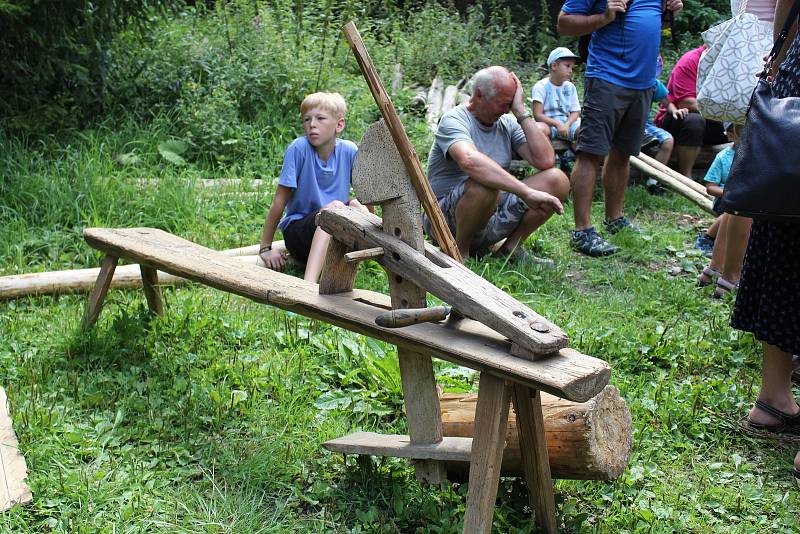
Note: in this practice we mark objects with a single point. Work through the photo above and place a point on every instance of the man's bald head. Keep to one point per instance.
(489, 80)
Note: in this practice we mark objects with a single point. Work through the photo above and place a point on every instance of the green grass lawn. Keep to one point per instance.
(210, 419)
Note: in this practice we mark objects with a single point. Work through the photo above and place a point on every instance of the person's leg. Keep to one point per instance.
(552, 181)
(717, 255)
(713, 230)
(615, 178)
(665, 151)
(776, 386)
(582, 180)
(473, 211)
(688, 137)
(737, 234)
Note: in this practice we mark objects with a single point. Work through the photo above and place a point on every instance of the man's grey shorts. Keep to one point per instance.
(613, 117)
(509, 213)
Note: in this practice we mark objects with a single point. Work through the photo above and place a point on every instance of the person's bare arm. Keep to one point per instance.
(672, 109)
(539, 115)
(573, 116)
(580, 24)
(537, 149)
(274, 259)
(782, 9)
(713, 189)
(487, 172)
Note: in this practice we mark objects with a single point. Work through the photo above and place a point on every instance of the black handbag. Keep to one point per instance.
(764, 181)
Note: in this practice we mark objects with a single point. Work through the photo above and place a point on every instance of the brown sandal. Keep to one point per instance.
(707, 276)
(724, 287)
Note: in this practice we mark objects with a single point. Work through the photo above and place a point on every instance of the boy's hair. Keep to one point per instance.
(331, 102)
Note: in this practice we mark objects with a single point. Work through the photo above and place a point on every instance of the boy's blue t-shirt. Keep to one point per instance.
(720, 167)
(315, 184)
(660, 92)
(623, 52)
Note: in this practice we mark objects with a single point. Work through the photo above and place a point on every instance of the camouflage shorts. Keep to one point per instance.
(509, 213)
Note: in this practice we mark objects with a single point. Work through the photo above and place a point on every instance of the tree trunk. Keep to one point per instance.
(589, 440)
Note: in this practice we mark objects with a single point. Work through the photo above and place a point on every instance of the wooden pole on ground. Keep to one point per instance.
(685, 180)
(674, 184)
(441, 232)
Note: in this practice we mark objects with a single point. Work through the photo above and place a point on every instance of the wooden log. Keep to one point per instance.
(435, 101)
(82, 280)
(449, 99)
(397, 77)
(685, 180)
(674, 184)
(585, 440)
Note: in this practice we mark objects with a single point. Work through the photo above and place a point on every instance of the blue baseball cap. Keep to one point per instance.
(561, 52)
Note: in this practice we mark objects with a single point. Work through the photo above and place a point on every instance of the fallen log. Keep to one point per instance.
(588, 440)
(449, 98)
(676, 185)
(435, 98)
(81, 280)
(685, 180)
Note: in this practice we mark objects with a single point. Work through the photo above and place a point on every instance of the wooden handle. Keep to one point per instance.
(410, 159)
(400, 318)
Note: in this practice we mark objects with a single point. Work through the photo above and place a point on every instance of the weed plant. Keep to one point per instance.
(210, 419)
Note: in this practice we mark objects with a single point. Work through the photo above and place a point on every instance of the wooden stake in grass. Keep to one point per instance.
(441, 232)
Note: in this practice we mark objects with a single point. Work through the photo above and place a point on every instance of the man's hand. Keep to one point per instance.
(613, 7)
(518, 104)
(675, 6)
(539, 199)
(679, 113)
(274, 259)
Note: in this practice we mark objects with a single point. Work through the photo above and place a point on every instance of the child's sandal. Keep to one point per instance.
(707, 277)
(724, 287)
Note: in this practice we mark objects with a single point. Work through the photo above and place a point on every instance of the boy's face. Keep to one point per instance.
(321, 126)
(562, 69)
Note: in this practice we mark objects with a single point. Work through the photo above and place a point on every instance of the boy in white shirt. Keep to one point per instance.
(555, 99)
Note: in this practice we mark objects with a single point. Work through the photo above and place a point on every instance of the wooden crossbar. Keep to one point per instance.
(568, 373)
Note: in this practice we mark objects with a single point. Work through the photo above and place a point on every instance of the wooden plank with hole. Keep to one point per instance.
(470, 294)
(491, 418)
(567, 373)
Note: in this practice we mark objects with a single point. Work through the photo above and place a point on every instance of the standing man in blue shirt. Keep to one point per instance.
(620, 75)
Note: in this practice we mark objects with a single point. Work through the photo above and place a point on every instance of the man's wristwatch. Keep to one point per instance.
(524, 116)
(265, 248)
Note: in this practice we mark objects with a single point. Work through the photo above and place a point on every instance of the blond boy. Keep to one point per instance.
(315, 174)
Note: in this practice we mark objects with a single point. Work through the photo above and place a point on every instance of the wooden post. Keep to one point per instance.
(338, 275)
(99, 292)
(151, 291)
(530, 425)
(410, 159)
(491, 418)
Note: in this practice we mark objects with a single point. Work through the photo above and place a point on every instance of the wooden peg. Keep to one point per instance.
(363, 255)
(406, 317)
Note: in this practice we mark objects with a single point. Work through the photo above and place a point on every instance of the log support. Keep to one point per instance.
(99, 292)
(151, 290)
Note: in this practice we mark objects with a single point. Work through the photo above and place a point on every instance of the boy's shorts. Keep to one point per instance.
(613, 117)
(505, 219)
(654, 136)
(573, 129)
(298, 236)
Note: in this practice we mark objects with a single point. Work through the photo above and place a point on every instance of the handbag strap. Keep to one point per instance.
(781, 38)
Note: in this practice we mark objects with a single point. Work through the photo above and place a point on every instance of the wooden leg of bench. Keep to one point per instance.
(491, 418)
(338, 275)
(422, 410)
(151, 291)
(530, 426)
(99, 291)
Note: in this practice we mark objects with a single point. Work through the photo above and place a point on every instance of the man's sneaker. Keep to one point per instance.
(704, 243)
(589, 242)
(620, 224)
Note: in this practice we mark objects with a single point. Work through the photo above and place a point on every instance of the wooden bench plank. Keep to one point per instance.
(567, 373)
(453, 449)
